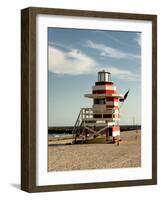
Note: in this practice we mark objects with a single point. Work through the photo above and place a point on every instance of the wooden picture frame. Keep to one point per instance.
(28, 98)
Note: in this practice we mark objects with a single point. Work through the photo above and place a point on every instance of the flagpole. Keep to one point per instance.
(125, 96)
(121, 105)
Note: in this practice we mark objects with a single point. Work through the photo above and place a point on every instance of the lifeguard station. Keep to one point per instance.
(103, 116)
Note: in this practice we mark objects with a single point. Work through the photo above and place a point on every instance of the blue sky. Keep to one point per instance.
(74, 58)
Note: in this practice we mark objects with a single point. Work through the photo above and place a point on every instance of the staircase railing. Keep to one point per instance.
(78, 123)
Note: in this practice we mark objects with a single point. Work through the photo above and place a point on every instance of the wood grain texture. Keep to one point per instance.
(154, 99)
(28, 98)
(28, 101)
(24, 100)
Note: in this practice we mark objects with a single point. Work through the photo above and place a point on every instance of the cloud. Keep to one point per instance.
(75, 62)
(124, 74)
(115, 39)
(138, 39)
(109, 51)
(59, 45)
(72, 62)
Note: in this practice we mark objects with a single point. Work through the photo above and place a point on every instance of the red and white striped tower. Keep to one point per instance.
(105, 105)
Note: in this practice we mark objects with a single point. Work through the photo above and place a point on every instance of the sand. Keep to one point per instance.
(97, 154)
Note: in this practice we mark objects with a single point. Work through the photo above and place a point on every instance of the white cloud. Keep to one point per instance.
(115, 39)
(109, 51)
(74, 62)
(70, 62)
(138, 39)
(124, 74)
(59, 45)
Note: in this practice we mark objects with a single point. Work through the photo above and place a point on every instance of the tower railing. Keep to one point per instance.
(87, 114)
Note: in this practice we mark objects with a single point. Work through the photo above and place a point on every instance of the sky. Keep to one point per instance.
(74, 58)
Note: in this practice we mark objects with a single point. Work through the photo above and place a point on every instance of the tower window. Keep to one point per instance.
(99, 101)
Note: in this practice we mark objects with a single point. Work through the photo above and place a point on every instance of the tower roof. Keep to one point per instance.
(103, 71)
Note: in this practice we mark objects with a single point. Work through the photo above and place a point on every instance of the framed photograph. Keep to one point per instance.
(88, 99)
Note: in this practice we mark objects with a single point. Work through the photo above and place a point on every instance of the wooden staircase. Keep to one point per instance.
(78, 124)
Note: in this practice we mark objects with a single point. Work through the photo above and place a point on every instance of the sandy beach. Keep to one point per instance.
(96, 154)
